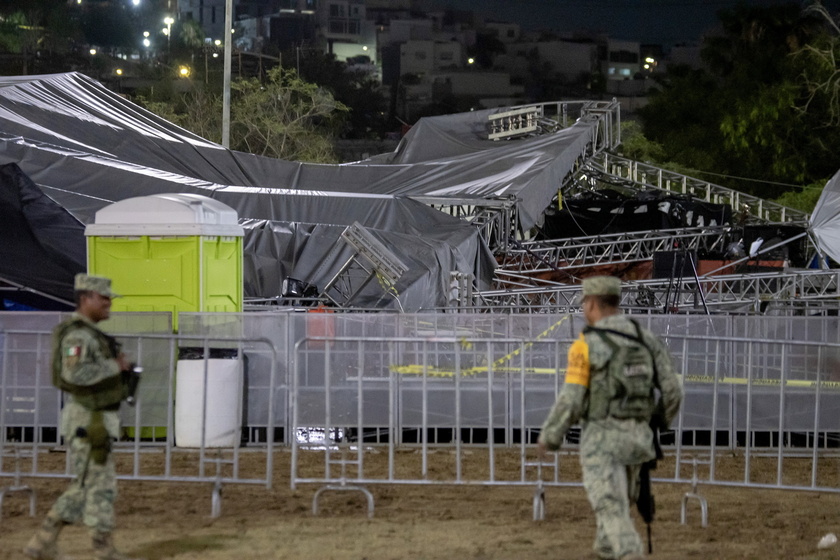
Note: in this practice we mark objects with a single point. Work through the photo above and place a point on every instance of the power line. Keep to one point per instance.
(747, 179)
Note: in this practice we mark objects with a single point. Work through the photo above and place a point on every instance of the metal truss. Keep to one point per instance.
(497, 218)
(555, 115)
(371, 257)
(604, 167)
(628, 247)
(747, 292)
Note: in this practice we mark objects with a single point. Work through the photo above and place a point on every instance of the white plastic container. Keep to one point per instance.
(222, 421)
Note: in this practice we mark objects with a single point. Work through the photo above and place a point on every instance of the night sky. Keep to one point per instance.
(666, 22)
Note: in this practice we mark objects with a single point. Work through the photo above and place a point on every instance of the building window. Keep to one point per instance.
(511, 33)
(336, 10)
(446, 56)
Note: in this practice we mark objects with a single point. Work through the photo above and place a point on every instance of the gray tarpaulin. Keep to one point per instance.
(86, 147)
(450, 156)
(825, 220)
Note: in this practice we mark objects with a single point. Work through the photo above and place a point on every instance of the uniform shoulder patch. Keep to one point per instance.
(577, 372)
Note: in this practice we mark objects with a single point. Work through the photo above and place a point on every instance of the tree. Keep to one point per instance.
(756, 110)
(37, 31)
(804, 199)
(285, 117)
(282, 117)
(357, 90)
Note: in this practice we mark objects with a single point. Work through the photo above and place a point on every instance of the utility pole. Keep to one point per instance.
(226, 87)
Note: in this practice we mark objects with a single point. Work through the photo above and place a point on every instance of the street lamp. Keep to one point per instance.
(168, 32)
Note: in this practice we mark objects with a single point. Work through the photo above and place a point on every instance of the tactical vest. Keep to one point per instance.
(624, 388)
(105, 395)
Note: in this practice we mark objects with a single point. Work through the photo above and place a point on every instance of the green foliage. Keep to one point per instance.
(804, 199)
(10, 32)
(190, 34)
(285, 117)
(282, 117)
(358, 91)
(634, 145)
(767, 106)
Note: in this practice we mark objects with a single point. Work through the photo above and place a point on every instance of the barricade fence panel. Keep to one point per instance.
(762, 399)
(419, 389)
(207, 449)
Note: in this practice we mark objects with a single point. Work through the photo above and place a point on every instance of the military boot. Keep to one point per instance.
(42, 545)
(103, 547)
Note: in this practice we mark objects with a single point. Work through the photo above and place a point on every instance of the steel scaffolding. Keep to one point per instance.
(604, 167)
(635, 246)
(737, 292)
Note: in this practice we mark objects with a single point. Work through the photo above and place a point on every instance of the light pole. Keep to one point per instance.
(168, 32)
(226, 87)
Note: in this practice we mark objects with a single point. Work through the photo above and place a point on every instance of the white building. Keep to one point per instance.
(623, 60)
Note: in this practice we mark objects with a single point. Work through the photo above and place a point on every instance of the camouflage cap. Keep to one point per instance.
(602, 286)
(99, 284)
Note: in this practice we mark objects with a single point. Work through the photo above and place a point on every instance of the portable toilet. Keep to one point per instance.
(169, 252)
(179, 252)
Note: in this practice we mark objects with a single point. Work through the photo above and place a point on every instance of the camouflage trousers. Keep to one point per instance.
(611, 488)
(90, 497)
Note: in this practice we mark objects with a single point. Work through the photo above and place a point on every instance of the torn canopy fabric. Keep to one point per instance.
(86, 147)
(825, 219)
(450, 157)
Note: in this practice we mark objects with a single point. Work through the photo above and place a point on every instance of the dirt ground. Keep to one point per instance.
(172, 520)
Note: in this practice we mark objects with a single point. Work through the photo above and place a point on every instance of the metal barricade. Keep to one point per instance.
(769, 402)
(30, 411)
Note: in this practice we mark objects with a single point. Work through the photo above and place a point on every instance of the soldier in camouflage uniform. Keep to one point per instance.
(613, 446)
(89, 366)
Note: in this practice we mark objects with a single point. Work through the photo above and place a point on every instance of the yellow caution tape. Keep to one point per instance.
(761, 382)
(417, 369)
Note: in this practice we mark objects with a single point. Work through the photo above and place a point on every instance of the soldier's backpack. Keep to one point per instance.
(627, 392)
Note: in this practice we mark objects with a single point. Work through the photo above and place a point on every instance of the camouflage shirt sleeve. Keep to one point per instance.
(668, 382)
(569, 407)
(83, 359)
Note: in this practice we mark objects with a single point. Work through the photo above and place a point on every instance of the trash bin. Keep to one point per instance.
(221, 423)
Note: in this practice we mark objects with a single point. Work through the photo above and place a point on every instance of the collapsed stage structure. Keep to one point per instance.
(503, 209)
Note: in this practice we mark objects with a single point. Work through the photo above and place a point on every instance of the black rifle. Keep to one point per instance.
(645, 503)
(130, 376)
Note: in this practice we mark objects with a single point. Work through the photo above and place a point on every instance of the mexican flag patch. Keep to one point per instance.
(73, 351)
